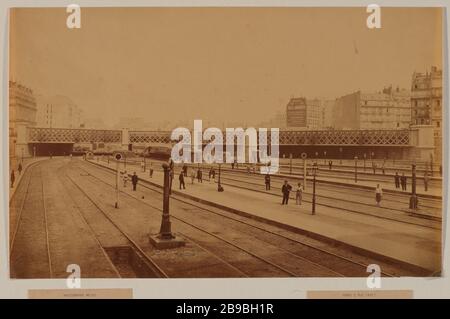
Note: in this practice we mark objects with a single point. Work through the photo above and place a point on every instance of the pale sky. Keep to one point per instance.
(219, 64)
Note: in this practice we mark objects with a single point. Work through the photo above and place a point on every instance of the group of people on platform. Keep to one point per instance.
(401, 181)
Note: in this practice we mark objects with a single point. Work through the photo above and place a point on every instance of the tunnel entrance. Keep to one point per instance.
(48, 149)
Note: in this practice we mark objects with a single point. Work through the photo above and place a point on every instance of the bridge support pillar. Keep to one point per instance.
(422, 140)
(21, 149)
(125, 138)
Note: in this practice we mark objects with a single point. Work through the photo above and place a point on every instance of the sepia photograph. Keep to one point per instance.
(225, 142)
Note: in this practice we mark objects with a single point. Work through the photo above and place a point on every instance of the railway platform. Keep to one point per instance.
(394, 239)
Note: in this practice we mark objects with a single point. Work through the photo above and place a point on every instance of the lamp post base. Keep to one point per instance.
(166, 242)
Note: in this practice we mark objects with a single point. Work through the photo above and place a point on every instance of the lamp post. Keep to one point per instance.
(315, 167)
(165, 231)
(22, 155)
(290, 163)
(340, 155)
(431, 164)
(34, 151)
(365, 155)
(356, 169)
(118, 156)
(413, 201)
(219, 185)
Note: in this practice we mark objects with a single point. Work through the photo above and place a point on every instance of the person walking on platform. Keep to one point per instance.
(192, 176)
(199, 175)
(330, 165)
(403, 181)
(397, 180)
(286, 189)
(125, 178)
(20, 168)
(298, 194)
(378, 195)
(150, 170)
(425, 181)
(134, 180)
(267, 182)
(185, 169)
(13, 178)
(181, 179)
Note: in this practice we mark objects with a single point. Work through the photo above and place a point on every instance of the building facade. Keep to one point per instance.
(303, 113)
(388, 109)
(426, 104)
(58, 112)
(22, 114)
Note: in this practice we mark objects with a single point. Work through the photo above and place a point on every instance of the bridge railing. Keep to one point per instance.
(346, 137)
(330, 137)
(65, 135)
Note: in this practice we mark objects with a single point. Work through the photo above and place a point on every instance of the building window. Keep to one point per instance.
(438, 102)
(438, 124)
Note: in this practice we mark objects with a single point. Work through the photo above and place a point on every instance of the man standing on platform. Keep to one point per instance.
(267, 181)
(425, 181)
(397, 180)
(403, 182)
(181, 179)
(134, 180)
(13, 178)
(286, 189)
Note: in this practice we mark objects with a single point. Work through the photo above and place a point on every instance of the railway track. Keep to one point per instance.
(34, 219)
(324, 254)
(158, 271)
(340, 202)
(397, 215)
(264, 262)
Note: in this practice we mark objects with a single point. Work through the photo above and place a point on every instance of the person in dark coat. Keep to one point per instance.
(199, 175)
(286, 189)
(181, 179)
(426, 179)
(185, 168)
(403, 181)
(397, 180)
(267, 182)
(13, 178)
(330, 164)
(134, 180)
